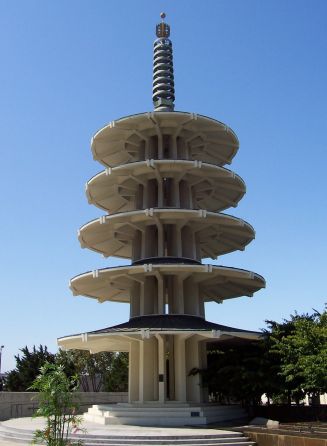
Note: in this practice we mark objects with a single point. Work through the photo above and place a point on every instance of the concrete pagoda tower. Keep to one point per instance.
(163, 190)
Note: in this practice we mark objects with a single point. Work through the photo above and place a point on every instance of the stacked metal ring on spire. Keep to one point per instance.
(163, 75)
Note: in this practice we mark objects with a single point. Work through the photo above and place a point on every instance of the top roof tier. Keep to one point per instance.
(164, 135)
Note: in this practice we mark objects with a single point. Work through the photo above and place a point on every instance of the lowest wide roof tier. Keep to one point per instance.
(159, 135)
(214, 234)
(208, 186)
(119, 337)
(215, 283)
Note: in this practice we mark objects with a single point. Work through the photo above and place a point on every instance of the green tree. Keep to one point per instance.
(117, 378)
(57, 403)
(105, 370)
(27, 368)
(301, 344)
(238, 372)
(289, 362)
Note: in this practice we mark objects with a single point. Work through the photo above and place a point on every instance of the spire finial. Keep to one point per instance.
(163, 29)
(163, 93)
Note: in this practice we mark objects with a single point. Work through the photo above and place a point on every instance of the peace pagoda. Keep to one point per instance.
(163, 191)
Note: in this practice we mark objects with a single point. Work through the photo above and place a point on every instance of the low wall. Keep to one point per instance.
(24, 404)
(271, 438)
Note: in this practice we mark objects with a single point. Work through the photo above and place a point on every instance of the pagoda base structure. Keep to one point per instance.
(163, 414)
(166, 353)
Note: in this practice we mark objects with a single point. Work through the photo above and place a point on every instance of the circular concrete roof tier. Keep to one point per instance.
(215, 234)
(216, 283)
(137, 137)
(144, 327)
(213, 188)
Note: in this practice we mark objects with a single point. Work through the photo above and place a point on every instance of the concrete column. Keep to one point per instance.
(175, 295)
(150, 295)
(133, 371)
(139, 197)
(161, 295)
(193, 244)
(198, 250)
(135, 300)
(177, 201)
(162, 368)
(160, 239)
(160, 193)
(182, 149)
(178, 240)
(147, 149)
(171, 371)
(196, 358)
(179, 296)
(204, 365)
(191, 297)
(201, 306)
(191, 196)
(153, 147)
(150, 236)
(137, 246)
(187, 242)
(160, 147)
(152, 194)
(148, 370)
(180, 368)
(173, 142)
(184, 195)
(142, 299)
(145, 196)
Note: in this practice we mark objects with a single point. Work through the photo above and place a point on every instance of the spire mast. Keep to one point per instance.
(163, 91)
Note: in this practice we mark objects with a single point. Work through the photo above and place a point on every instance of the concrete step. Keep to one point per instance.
(214, 435)
(16, 435)
(13, 434)
(246, 443)
(162, 414)
(155, 421)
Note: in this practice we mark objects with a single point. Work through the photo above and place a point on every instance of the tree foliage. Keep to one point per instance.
(301, 346)
(27, 368)
(57, 403)
(117, 378)
(288, 363)
(106, 371)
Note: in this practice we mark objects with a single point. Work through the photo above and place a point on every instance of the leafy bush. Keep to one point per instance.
(57, 403)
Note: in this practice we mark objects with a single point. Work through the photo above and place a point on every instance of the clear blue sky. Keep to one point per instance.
(69, 67)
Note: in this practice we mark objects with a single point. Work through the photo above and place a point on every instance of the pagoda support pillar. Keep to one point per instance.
(180, 368)
(196, 359)
(133, 371)
(148, 370)
(162, 375)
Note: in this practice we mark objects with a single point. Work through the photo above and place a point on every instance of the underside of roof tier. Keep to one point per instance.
(211, 187)
(118, 337)
(212, 234)
(159, 135)
(215, 283)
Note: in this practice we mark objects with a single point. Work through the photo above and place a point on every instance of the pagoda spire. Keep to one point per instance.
(163, 90)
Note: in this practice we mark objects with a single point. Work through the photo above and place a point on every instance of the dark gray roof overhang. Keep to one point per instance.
(169, 322)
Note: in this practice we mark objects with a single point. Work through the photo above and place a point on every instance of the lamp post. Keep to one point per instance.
(1, 347)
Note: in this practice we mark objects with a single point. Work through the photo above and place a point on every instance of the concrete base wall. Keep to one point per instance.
(24, 404)
(278, 439)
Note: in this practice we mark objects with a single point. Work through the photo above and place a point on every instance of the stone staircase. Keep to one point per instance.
(171, 414)
(11, 435)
